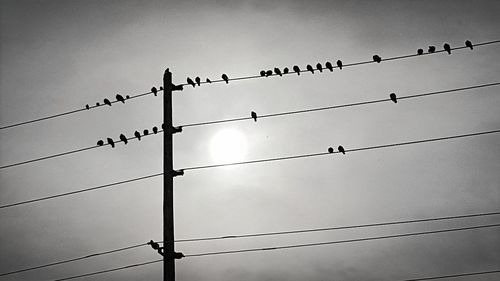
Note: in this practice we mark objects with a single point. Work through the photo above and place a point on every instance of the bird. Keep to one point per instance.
(447, 48)
(420, 51)
(123, 138)
(469, 44)
(286, 70)
(87, 106)
(329, 65)
(120, 98)
(393, 97)
(154, 91)
(254, 116)
(111, 142)
(225, 78)
(190, 82)
(377, 59)
(161, 88)
(319, 67)
(146, 132)
(262, 73)
(310, 68)
(269, 73)
(97, 104)
(178, 255)
(106, 101)
(209, 81)
(137, 135)
(339, 64)
(155, 129)
(432, 49)
(341, 149)
(296, 69)
(154, 245)
(127, 96)
(198, 80)
(330, 150)
(100, 143)
(278, 71)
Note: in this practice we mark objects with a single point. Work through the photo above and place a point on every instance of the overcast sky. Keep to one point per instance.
(57, 56)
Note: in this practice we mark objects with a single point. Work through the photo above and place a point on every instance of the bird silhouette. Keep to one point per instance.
(137, 135)
(154, 245)
(377, 59)
(330, 150)
(269, 73)
(155, 130)
(161, 88)
(123, 138)
(106, 101)
(120, 98)
(146, 132)
(329, 65)
(87, 106)
(262, 73)
(225, 78)
(432, 49)
(469, 44)
(310, 68)
(97, 104)
(339, 64)
(420, 51)
(198, 80)
(127, 96)
(254, 116)
(209, 81)
(447, 48)
(100, 143)
(286, 70)
(154, 91)
(393, 97)
(296, 69)
(278, 71)
(190, 82)
(319, 67)
(341, 149)
(111, 142)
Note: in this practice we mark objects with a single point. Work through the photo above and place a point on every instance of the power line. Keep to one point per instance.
(454, 275)
(261, 235)
(305, 245)
(236, 79)
(263, 161)
(267, 116)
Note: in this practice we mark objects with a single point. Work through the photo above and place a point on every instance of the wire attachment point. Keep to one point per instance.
(176, 173)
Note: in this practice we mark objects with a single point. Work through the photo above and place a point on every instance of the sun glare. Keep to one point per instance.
(228, 145)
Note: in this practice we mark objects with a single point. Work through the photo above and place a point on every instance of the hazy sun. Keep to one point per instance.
(228, 145)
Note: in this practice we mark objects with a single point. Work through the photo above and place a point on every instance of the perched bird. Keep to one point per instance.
(97, 104)
(420, 51)
(111, 142)
(161, 88)
(269, 73)
(120, 98)
(123, 138)
(190, 82)
(262, 73)
(296, 69)
(155, 130)
(319, 67)
(106, 101)
(469, 44)
(286, 70)
(330, 150)
(447, 48)
(341, 149)
(154, 91)
(87, 106)
(278, 71)
(339, 64)
(310, 68)
(127, 96)
(377, 59)
(225, 78)
(432, 49)
(329, 65)
(137, 135)
(100, 143)
(198, 80)
(154, 245)
(146, 132)
(393, 97)
(254, 116)
(209, 81)
(178, 255)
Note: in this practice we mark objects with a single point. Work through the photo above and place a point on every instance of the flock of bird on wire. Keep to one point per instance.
(263, 73)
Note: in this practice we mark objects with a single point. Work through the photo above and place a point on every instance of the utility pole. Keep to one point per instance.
(168, 182)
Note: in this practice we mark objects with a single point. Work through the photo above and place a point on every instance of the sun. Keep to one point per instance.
(228, 145)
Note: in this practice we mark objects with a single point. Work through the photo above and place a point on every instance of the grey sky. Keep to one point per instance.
(60, 55)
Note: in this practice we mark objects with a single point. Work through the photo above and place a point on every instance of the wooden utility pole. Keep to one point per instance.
(168, 183)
